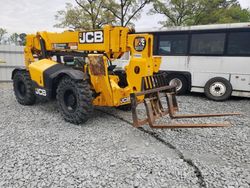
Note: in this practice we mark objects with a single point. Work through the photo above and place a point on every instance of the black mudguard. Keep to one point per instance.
(54, 74)
(51, 77)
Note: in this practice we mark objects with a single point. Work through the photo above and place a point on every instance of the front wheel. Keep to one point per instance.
(218, 89)
(74, 100)
(23, 88)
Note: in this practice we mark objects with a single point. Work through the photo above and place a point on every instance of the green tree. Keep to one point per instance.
(22, 39)
(195, 12)
(89, 14)
(223, 11)
(13, 39)
(3, 32)
(125, 10)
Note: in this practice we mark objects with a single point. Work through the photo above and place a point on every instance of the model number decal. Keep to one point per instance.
(91, 37)
(41, 92)
(137, 55)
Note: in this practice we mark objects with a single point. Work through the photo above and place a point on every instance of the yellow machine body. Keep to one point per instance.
(37, 69)
(101, 48)
(86, 76)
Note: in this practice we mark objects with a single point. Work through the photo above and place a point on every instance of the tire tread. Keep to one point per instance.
(30, 98)
(84, 96)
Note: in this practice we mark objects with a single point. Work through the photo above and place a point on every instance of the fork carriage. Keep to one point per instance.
(153, 91)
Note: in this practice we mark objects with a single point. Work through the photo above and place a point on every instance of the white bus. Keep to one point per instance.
(214, 59)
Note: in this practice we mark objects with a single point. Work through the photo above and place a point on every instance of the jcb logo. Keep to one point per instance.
(91, 37)
(41, 92)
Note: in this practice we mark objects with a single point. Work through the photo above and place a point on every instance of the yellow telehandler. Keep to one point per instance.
(75, 67)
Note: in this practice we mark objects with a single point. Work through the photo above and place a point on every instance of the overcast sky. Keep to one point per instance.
(34, 15)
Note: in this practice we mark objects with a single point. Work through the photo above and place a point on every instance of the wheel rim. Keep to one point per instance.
(70, 100)
(21, 89)
(217, 89)
(176, 82)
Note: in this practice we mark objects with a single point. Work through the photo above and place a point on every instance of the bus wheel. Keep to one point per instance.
(180, 82)
(218, 89)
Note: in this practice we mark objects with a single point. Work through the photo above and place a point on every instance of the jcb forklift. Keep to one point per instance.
(75, 67)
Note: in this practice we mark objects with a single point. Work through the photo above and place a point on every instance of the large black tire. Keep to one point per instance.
(74, 100)
(23, 88)
(180, 81)
(218, 89)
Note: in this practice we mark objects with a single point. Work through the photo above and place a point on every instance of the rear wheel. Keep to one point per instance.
(218, 89)
(23, 88)
(179, 81)
(74, 100)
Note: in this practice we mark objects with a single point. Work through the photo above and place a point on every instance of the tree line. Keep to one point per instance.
(14, 38)
(93, 14)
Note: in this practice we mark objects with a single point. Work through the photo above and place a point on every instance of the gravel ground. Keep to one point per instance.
(39, 149)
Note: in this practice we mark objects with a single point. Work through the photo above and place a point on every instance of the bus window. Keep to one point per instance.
(208, 44)
(238, 43)
(173, 44)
